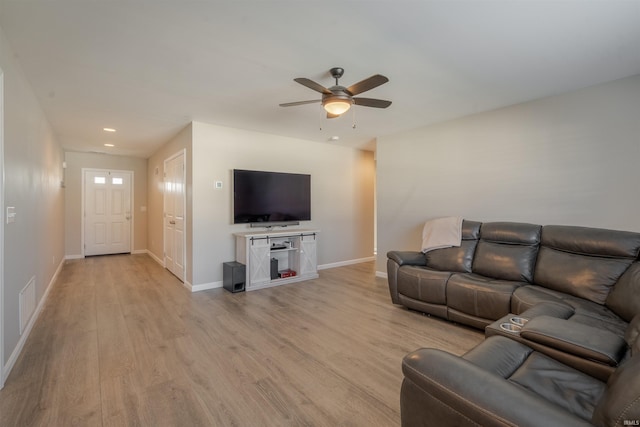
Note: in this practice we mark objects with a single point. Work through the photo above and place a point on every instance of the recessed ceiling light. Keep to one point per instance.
(334, 138)
(108, 129)
(109, 145)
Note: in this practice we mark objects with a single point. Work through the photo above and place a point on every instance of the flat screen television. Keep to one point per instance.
(270, 197)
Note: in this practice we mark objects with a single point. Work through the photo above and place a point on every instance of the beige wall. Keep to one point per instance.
(342, 194)
(342, 191)
(155, 165)
(73, 201)
(566, 159)
(34, 244)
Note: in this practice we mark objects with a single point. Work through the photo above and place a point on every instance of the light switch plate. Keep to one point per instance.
(218, 184)
(11, 214)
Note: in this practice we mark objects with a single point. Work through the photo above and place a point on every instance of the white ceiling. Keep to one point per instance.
(148, 68)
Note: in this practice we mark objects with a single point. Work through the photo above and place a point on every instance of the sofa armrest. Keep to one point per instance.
(396, 259)
(441, 389)
(576, 338)
(407, 258)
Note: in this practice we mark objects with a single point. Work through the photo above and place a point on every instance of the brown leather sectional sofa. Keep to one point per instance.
(574, 361)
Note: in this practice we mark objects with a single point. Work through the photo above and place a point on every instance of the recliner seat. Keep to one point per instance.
(502, 382)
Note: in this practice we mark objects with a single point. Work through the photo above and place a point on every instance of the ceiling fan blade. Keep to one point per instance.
(332, 116)
(370, 102)
(312, 85)
(367, 84)
(292, 104)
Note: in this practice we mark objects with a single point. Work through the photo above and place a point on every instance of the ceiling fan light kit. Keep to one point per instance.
(336, 106)
(337, 99)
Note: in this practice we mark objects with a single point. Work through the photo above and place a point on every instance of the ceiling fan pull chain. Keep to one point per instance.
(353, 115)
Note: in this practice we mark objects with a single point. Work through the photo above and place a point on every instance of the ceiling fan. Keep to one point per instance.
(337, 99)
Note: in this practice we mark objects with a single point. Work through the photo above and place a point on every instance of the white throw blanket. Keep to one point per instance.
(441, 233)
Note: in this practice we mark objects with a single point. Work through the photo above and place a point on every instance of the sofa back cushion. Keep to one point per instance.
(584, 262)
(507, 250)
(624, 298)
(458, 258)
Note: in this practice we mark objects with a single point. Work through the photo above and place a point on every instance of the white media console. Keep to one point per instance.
(294, 250)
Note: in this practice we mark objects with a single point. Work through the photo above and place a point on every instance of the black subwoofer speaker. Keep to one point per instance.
(233, 276)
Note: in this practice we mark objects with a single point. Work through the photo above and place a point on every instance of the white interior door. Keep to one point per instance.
(1, 227)
(174, 214)
(107, 212)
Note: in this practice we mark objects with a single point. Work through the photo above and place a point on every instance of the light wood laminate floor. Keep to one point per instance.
(120, 342)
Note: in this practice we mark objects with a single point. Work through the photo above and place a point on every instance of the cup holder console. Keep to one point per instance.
(514, 325)
(520, 321)
(510, 327)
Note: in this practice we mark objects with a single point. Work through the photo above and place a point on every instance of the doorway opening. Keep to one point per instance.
(107, 198)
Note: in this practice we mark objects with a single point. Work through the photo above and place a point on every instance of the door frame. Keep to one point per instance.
(82, 216)
(1, 229)
(182, 152)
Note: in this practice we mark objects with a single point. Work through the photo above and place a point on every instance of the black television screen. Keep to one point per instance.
(263, 197)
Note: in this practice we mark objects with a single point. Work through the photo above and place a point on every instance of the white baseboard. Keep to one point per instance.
(6, 369)
(136, 252)
(382, 274)
(155, 258)
(345, 263)
(204, 286)
(186, 284)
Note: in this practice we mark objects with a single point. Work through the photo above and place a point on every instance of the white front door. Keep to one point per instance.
(174, 214)
(107, 212)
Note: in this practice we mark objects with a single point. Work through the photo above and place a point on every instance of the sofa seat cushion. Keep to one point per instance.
(604, 321)
(440, 389)
(557, 383)
(480, 296)
(423, 284)
(576, 309)
(529, 296)
(573, 390)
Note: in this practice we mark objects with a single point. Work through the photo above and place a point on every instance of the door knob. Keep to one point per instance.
(172, 222)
